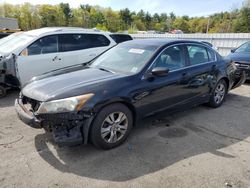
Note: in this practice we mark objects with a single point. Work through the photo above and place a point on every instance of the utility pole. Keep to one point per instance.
(208, 23)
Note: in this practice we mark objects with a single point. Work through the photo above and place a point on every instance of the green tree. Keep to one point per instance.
(126, 17)
(182, 24)
(66, 12)
(148, 20)
(96, 17)
(242, 24)
(35, 16)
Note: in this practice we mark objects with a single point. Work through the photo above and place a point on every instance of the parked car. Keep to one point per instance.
(103, 101)
(32, 53)
(241, 57)
(176, 31)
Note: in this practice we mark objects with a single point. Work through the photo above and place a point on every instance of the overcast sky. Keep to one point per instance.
(179, 7)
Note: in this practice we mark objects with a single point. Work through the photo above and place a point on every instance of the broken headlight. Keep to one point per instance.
(64, 105)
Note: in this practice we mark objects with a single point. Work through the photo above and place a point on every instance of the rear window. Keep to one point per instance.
(118, 38)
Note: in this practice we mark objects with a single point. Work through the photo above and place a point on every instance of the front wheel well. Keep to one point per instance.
(227, 82)
(125, 103)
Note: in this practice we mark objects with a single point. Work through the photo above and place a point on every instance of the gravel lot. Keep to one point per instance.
(201, 147)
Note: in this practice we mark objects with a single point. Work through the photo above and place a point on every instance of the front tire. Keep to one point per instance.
(111, 126)
(218, 94)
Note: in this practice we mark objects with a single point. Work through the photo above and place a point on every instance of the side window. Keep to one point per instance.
(72, 42)
(211, 55)
(172, 58)
(44, 45)
(96, 40)
(197, 54)
(120, 38)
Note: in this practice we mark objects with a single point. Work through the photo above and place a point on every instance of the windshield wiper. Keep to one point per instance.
(103, 69)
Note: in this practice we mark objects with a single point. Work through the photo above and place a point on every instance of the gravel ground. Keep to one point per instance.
(201, 147)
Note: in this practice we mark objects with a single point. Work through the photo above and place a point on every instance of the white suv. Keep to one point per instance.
(47, 49)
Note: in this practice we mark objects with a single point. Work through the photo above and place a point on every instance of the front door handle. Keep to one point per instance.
(56, 58)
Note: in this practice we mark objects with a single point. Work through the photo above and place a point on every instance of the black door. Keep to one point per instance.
(201, 71)
(161, 93)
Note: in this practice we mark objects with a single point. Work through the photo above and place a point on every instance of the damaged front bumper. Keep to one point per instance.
(68, 129)
(26, 116)
(244, 67)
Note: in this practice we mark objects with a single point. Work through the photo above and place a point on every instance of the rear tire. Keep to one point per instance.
(218, 94)
(2, 91)
(111, 126)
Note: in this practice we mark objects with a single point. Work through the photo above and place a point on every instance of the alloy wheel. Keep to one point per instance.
(114, 127)
(219, 93)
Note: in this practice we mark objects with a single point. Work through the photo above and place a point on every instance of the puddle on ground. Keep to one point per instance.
(173, 132)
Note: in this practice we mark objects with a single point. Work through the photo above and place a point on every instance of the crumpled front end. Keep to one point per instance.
(68, 129)
(8, 70)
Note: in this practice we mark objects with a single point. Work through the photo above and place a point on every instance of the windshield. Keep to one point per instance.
(244, 48)
(14, 41)
(126, 59)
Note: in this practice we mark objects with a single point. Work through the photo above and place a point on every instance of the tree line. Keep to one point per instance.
(36, 16)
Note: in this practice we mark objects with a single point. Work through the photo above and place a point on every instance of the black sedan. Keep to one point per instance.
(241, 57)
(101, 102)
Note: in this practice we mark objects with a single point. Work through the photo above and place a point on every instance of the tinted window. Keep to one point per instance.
(96, 40)
(197, 54)
(171, 58)
(120, 38)
(45, 45)
(244, 48)
(211, 55)
(72, 42)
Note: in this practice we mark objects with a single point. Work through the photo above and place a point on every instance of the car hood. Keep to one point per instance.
(241, 57)
(67, 85)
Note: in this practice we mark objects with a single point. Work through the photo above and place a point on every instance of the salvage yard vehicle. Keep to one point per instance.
(241, 57)
(103, 101)
(32, 53)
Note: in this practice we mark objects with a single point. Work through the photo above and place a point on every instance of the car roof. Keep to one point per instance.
(159, 42)
(51, 30)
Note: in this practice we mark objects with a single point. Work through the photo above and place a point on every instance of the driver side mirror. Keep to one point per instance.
(160, 71)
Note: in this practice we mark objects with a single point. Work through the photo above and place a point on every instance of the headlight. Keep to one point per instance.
(64, 105)
(237, 64)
